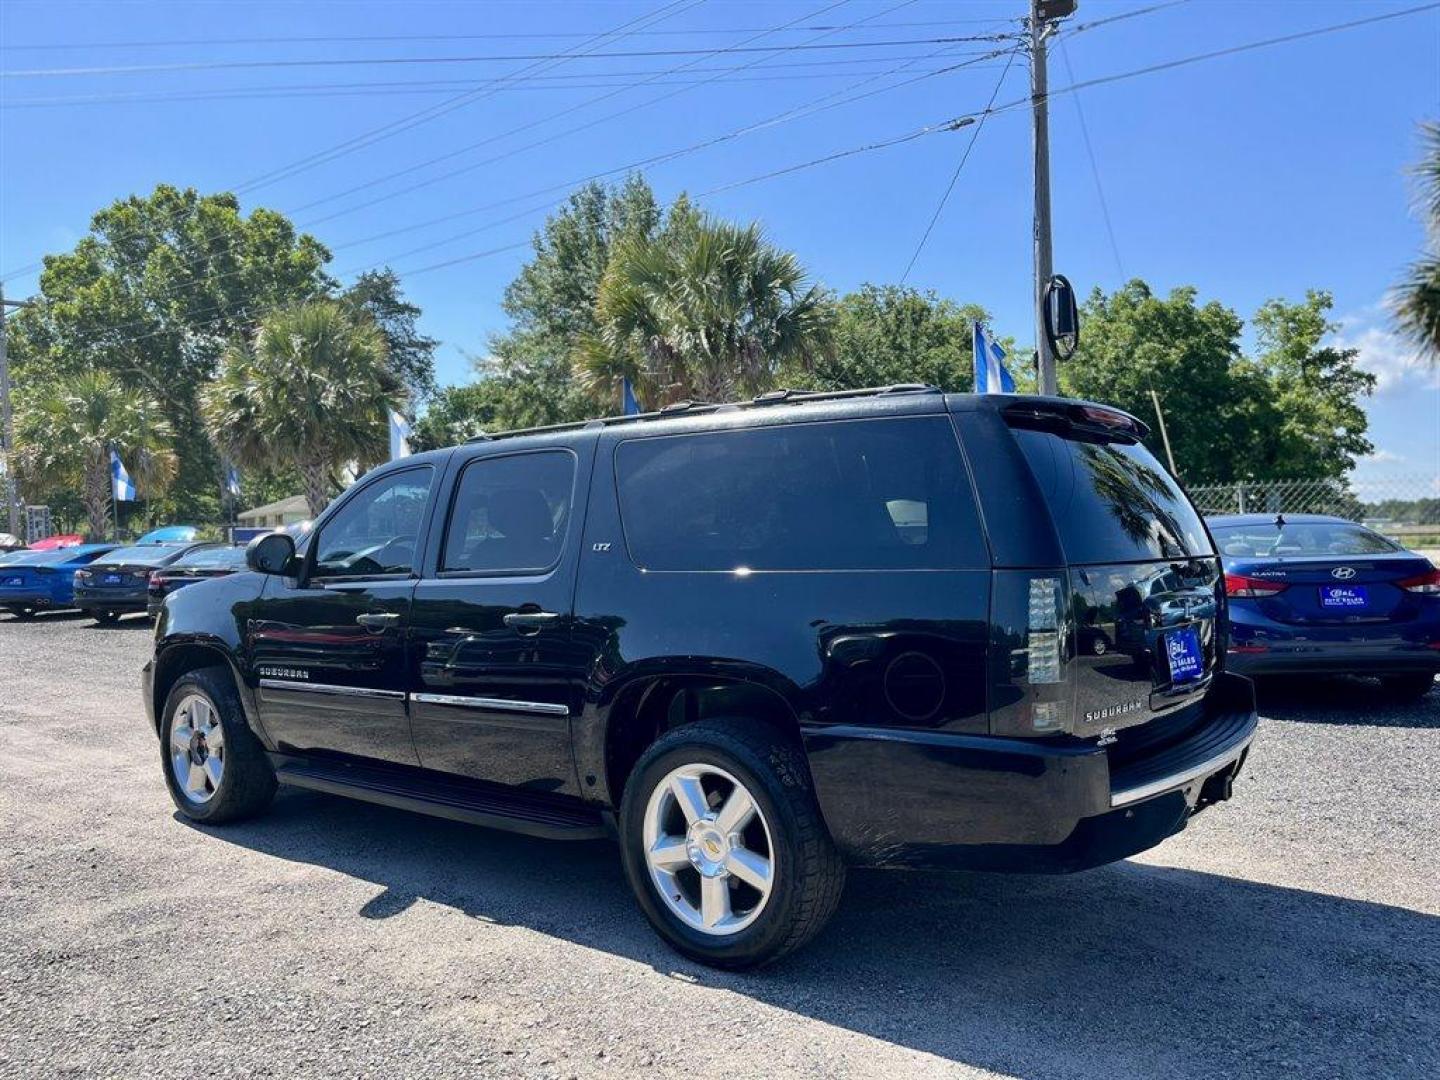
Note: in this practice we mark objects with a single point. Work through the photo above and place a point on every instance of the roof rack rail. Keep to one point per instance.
(785, 396)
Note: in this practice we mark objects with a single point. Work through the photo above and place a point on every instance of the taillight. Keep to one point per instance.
(1248, 588)
(1427, 583)
(1043, 631)
(155, 579)
(82, 575)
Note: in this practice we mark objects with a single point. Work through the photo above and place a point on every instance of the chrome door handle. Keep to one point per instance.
(529, 622)
(378, 620)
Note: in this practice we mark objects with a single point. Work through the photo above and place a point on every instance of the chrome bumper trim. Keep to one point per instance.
(1168, 783)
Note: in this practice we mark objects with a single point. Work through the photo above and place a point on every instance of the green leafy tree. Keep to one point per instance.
(1311, 422)
(1292, 410)
(551, 304)
(887, 334)
(1417, 298)
(711, 312)
(1133, 341)
(311, 388)
(458, 412)
(377, 294)
(66, 428)
(152, 294)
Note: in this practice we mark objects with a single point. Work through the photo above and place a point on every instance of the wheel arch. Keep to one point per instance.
(178, 659)
(647, 706)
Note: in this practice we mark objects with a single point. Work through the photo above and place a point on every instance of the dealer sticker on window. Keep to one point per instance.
(1182, 648)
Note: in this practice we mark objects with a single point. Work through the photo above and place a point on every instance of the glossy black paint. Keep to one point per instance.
(902, 684)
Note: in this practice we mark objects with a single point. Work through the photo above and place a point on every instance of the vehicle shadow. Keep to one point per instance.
(1342, 699)
(1133, 969)
(127, 622)
(65, 615)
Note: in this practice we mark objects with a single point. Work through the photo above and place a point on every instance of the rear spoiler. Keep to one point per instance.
(1075, 418)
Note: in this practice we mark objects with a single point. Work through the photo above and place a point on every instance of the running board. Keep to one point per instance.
(551, 817)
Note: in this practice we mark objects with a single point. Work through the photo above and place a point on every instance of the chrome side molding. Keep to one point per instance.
(540, 708)
(330, 689)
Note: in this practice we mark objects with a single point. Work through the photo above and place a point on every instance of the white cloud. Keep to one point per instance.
(1381, 456)
(1395, 363)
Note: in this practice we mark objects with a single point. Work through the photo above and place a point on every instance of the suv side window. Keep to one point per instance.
(510, 514)
(375, 532)
(845, 495)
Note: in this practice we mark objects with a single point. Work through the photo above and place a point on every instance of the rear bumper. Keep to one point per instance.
(21, 598)
(111, 599)
(1347, 658)
(924, 799)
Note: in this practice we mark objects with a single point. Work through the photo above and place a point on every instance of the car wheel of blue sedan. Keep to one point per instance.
(1408, 688)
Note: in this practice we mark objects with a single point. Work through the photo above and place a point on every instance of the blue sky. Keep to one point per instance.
(1249, 176)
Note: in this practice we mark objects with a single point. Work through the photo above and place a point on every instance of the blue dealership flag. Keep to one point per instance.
(628, 404)
(121, 486)
(400, 433)
(990, 374)
(232, 480)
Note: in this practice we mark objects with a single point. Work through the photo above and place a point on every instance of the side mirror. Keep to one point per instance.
(1061, 317)
(271, 553)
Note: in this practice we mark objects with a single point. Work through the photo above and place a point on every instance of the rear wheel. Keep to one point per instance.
(214, 766)
(106, 618)
(1407, 688)
(23, 612)
(725, 846)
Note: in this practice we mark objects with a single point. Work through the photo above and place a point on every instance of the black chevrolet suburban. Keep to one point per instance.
(755, 642)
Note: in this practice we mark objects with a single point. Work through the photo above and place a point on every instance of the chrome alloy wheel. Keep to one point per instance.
(708, 848)
(197, 748)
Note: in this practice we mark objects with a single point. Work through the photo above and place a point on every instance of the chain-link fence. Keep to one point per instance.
(1405, 508)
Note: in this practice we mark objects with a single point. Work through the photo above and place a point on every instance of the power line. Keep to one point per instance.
(460, 101)
(529, 124)
(1094, 167)
(391, 38)
(1080, 28)
(385, 88)
(955, 176)
(234, 65)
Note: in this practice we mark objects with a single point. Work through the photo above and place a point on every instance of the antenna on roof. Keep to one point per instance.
(1279, 521)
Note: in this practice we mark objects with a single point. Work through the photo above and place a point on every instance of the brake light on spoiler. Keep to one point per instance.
(1249, 588)
(1427, 584)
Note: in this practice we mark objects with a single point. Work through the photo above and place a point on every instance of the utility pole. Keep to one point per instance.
(7, 422)
(1164, 435)
(1042, 14)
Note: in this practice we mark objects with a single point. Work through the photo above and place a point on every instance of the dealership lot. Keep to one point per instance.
(1296, 928)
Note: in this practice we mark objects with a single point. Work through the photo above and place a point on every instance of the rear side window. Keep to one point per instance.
(1111, 501)
(510, 513)
(852, 495)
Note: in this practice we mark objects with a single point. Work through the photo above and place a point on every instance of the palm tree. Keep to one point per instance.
(707, 313)
(1417, 298)
(65, 433)
(312, 389)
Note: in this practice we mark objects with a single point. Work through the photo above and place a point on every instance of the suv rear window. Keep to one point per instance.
(848, 495)
(1111, 501)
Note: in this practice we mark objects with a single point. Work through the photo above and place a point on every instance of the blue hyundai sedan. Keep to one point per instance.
(1321, 595)
(35, 581)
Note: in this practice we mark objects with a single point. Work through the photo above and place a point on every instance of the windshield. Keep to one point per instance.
(211, 558)
(1111, 501)
(149, 555)
(1301, 539)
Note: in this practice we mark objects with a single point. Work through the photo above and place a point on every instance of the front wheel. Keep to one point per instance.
(215, 768)
(724, 844)
(1407, 688)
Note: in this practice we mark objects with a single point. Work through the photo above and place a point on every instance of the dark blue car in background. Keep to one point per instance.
(1321, 595)
(35, 581)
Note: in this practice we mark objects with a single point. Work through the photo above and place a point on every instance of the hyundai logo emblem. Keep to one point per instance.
(1343, 573)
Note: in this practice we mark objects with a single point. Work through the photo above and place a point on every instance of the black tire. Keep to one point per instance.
(106, 618)
(809, 874)
(1407, 689)
(22, 612)
(247, 782)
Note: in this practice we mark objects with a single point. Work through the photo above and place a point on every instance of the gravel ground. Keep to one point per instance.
(1295, 929)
